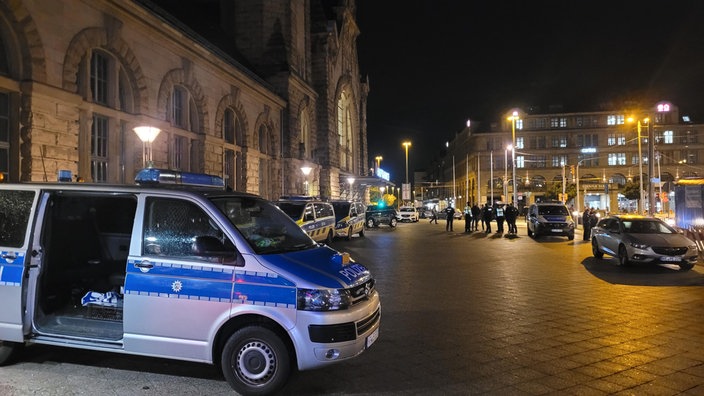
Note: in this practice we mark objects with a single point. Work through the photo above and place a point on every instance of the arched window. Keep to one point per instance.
(263, 140)
(344, 131)
(4, 66)
(304, 141)
(103, 81)
(233, 135)
(184, 112)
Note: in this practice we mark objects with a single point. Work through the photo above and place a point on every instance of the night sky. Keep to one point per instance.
(433, 64)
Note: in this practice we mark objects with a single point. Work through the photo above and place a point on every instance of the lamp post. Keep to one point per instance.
(513, 118)
(306, 171)
(640, 168)
(378, 159)
(147, 134)
(506, 172)
(406, 144)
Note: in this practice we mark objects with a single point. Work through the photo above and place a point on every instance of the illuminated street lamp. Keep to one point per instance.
(406, 145)
(378, 159)
(640, 165)
(147, 135)
(350, 181)
(513, 118)
(306, 171)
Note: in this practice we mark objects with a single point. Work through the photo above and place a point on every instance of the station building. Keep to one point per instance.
(254, 91)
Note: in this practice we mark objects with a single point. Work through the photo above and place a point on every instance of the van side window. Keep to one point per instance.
(172, 225)
(323, 210)
(14, 216)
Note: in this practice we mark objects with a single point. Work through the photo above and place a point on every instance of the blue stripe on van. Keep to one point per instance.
(11, 272)
(180, 281)
(261, 288)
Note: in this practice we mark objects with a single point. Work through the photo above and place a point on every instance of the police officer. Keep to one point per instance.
(488, 216)
(450, 212)
(476, 214)
(499, 213)
(468, 218)
(511, 213)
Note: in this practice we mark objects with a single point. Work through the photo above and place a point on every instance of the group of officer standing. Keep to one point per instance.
(474, 215)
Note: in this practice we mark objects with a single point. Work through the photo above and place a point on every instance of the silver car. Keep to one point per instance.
(640, 239)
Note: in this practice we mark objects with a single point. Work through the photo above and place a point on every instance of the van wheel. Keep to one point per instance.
(7, 351)
(370, 223)
(255, 361)
(328, 239)
(349, 234)
(393, 222)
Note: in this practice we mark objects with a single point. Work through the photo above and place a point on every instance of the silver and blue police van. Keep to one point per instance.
(176, 267)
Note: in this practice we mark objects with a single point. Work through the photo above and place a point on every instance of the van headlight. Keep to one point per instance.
(323, 299)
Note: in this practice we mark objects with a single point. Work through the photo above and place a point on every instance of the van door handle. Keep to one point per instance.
(144, 264)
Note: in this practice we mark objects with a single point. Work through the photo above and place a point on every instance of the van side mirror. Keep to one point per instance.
(210, 246)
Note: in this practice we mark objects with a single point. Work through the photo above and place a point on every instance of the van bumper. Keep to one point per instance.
(322, 338)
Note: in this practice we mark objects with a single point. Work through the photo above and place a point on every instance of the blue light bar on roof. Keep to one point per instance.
(154, 176)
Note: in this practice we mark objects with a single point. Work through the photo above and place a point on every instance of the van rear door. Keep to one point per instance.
(17, 207)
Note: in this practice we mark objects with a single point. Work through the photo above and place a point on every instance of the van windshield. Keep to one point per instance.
(293, 209)
(267, 229)
(553, 210)
(342, 210)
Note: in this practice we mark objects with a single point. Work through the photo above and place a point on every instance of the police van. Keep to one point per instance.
(176, 267)
(315, 217)
(349, 218)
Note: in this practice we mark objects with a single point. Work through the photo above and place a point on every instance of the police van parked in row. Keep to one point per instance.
(349, 217)
(315, 217)
(189, 273)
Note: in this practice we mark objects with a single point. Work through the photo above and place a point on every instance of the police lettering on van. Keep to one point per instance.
(316, 218)
(190, 273)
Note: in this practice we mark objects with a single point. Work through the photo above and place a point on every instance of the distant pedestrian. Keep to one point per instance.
(450, 213)
(487, 217)
(476, 214)
(586, 225)
(434, 216)
(511, 213)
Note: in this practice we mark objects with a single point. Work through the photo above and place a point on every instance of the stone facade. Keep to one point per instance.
(79, 76)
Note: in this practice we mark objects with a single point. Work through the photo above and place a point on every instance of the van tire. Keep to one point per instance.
(255, 361)
(328, 239)
(361, 232)
(349, 234)
(7, 351)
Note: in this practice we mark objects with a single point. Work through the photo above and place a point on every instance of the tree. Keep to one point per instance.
(631, 190)
(554, 190)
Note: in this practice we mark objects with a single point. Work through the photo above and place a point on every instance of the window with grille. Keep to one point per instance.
(179, 153)
(99, 77)
(99, 149)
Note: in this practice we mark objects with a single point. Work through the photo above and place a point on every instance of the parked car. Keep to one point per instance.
(549, 218)
(349, 218)
(408, 213)
(376, 215)
(640, 239)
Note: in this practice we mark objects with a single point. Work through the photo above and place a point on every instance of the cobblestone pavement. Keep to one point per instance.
(463, 314)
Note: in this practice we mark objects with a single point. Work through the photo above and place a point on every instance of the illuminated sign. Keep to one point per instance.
(588, 150)
(663, 107)
(382, 174)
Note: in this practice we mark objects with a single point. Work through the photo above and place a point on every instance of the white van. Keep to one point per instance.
(196, 274)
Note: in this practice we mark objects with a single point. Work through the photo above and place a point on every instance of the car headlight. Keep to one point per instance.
(693, 247)
(639, 245)
(323, 299)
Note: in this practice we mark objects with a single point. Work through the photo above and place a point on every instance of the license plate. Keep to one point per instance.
(556, 230)
(372, 337)
(671, 258)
